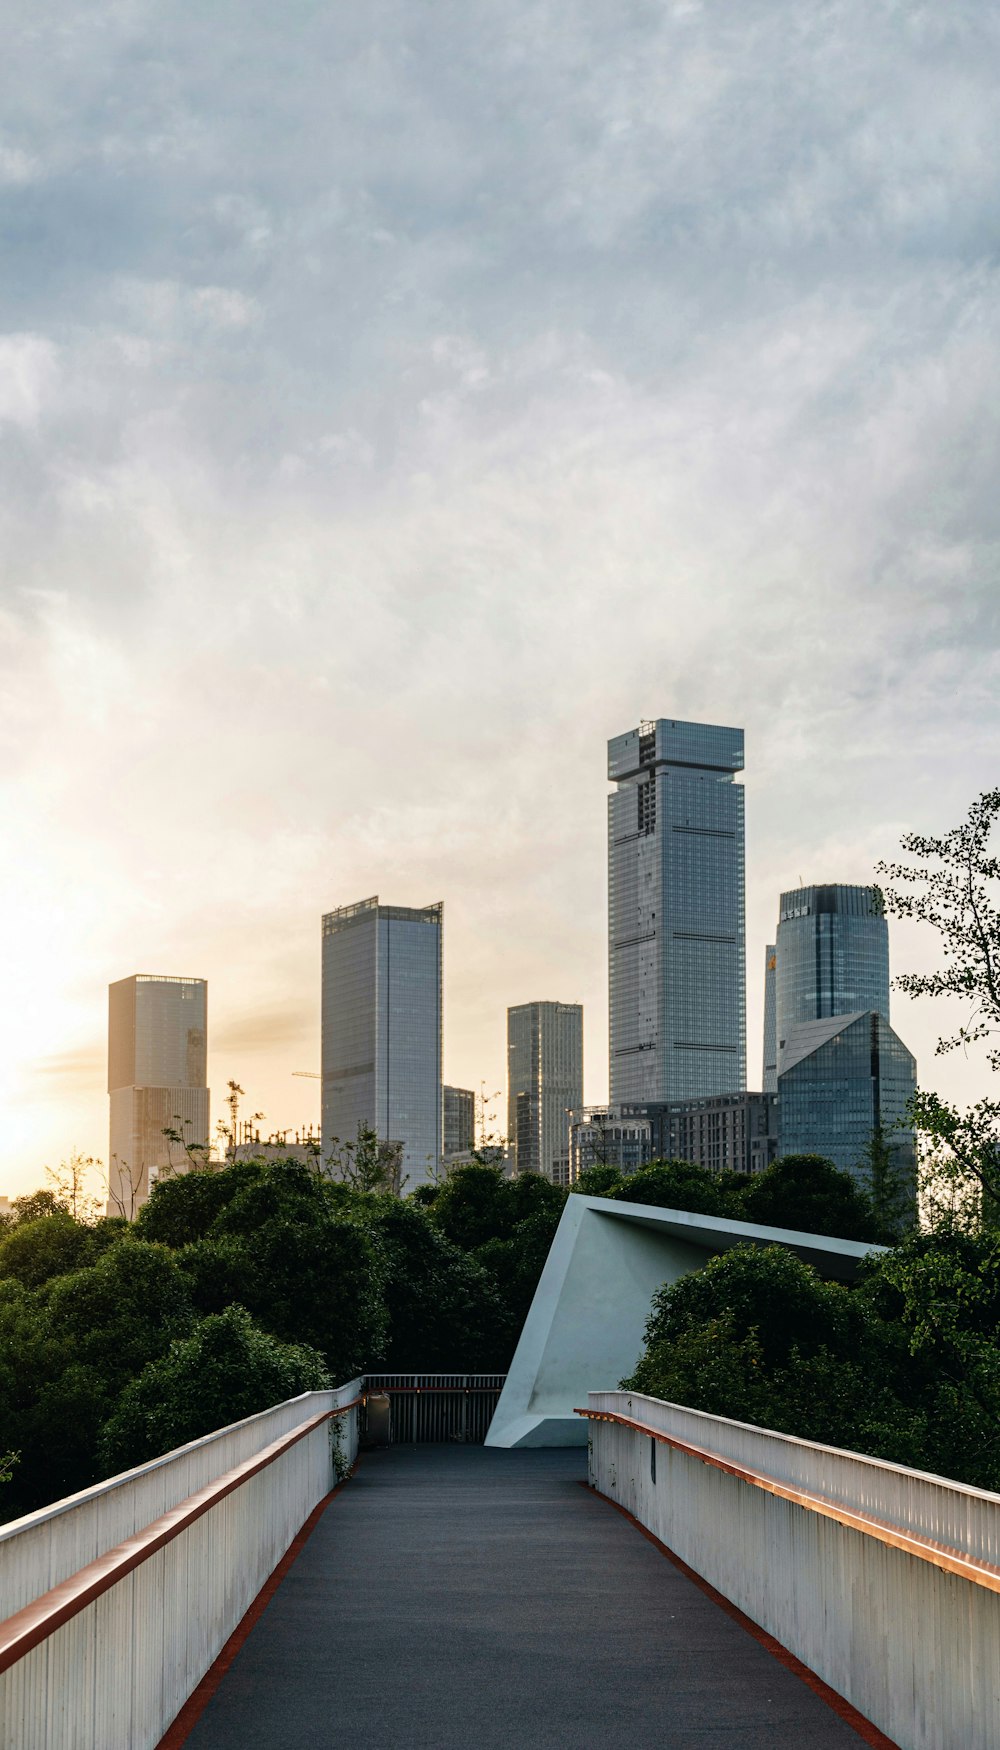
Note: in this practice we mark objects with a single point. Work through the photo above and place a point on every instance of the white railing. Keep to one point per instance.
(883, 1581)
(115, 1602)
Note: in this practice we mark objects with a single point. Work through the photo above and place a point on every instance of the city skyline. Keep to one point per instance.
(300, 1106)
(359, 481)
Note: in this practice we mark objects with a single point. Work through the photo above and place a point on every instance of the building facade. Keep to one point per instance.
(839, 1080)
(676, 924)
(157, 1081)
(459, 1122)
(544, 1082)
(381, 1030)
(736, 1133)
(832, 950)
(603, 1136)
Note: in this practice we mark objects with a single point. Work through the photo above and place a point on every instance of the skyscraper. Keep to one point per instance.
(832, 955)
(676, 906)
(544, 1080)
(769, 1082)
(381, 1030)
(459, 1121)
(839, 1080)
(157, 1053)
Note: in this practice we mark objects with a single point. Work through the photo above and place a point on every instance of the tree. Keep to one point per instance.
(810, 1195)
(34, 1251)
(955, 887)
(679, 1185)
(226, 1369)
(368, 1164)
(891, 1192)
(305, 1267)
(69, 1182)
(445, 1312)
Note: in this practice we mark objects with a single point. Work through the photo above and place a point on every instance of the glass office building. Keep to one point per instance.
(544, 1081)
(832, 957)
(676, 922)
(157, 1060)
(838, 1080)
(459, 1121)
(381, 1030)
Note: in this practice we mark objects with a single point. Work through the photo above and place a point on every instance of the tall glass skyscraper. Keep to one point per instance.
(544, 1082)
(832, 957)
(157, 1053)
(381, 1030)
(676, 912)
(840, 1079)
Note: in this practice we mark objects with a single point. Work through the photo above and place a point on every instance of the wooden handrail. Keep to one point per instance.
(29, 1627)
(942, 1555)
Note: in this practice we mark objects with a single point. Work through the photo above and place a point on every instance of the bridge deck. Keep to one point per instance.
(460, 1598)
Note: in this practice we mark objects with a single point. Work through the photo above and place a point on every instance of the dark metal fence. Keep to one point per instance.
(439, 1406)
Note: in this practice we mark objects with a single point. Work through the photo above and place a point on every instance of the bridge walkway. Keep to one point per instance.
(461, 1598)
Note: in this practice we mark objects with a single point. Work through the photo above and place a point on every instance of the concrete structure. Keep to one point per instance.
(832, 950)
(118, 1599)
(459, 1133)
(157, 1058)
(587, 1318)
(555, 1625)
(381, 1030)
(882, 1581)
(769, 1081)
(839, 1080)
(676, 913)
(544, 1081)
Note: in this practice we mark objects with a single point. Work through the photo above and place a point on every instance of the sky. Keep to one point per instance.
(396, 402)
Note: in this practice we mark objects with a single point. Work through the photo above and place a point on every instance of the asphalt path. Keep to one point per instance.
(461, 1598)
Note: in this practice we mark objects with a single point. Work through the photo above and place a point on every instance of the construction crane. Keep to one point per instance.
(312, 1074)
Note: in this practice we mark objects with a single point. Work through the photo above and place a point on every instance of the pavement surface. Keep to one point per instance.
(461, 1598)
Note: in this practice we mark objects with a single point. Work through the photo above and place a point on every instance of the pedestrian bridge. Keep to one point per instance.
(749, 1591)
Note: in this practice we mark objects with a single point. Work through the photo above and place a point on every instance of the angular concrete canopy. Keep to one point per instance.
(584, 1329)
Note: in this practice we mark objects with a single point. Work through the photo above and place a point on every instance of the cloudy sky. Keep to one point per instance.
(398, 400)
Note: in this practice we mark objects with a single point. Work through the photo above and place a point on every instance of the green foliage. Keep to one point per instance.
(681, 1185)
(34, 1251)
(227, 1369)
(183, 1208)
(803, 1192)
(906, 1366)
(955, 887)
(122, 1311)
(810, 1195)
(597, 1181)
(507, 1225)
(307, 1272)
(444, 1311)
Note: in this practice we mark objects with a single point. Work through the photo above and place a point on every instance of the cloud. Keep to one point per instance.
(28, 376)
(422, 405)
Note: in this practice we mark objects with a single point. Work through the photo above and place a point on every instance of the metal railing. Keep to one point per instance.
(884, 1581)
(181, 1546)
(439, 1407)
